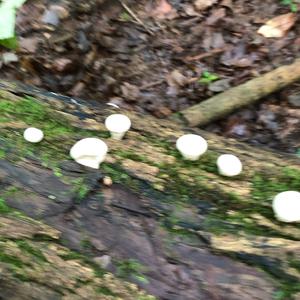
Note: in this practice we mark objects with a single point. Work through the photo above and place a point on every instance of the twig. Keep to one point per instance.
(237, 97)
(138, 20)
(151, 84)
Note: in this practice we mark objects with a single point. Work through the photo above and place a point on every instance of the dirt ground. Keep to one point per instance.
(150, 56)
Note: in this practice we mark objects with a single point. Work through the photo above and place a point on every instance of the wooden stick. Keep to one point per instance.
(247, 93)
(138, 20)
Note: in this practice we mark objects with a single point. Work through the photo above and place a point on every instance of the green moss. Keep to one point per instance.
(132, 155)
(103, 290)
(131, 268)
(57, 172)
(71, 256)
(59, 133)
(86, 244)
(37, 253)
(9, 259)
(266, 186)
(295, 263)
(4, 209)
(34, 113)
(2, 153)
(119, 175)
(80, 188)
(10, 191)
(286, 290)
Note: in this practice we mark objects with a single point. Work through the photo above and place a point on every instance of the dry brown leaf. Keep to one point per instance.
(217, 15)
(163, 10)
(278, 26)
(203, 4)
(175, 78)
(28, 44)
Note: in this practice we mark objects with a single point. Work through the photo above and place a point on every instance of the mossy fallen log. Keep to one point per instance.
(175, 228)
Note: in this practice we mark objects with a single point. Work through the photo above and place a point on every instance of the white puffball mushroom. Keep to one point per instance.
(286, 206)
(118, 125)
(191, 146)
(33, 135)
(89, 152)
(229, 165)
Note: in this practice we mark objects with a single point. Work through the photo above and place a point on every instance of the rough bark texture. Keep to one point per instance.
(34, 266)
(175, 228)
(247, 93)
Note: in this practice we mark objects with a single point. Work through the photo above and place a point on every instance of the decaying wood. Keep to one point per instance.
(33, 268)
(197, 235)
(247, 93)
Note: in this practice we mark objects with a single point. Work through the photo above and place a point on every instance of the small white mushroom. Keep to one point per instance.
(229, 165)
(286, 206)
(89, 152)
(33, 135)
(191, 146)
(118, 125)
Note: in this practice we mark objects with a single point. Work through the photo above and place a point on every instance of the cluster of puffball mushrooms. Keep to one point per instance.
(91, 152)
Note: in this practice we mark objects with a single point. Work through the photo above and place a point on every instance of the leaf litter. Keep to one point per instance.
(98, 50)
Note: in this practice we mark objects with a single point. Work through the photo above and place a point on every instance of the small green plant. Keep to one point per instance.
(131, 268)
(125, 17)
(293, 4)
(208, 77)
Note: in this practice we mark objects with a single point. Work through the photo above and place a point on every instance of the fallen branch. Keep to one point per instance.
(247, 93)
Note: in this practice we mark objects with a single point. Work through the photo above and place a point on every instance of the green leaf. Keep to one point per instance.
(10, 43)
(208, 77)
(292, 4)
(294, 7)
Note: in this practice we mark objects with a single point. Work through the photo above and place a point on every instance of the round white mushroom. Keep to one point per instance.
(89, 152)
(33, 135)
(286, 206)
(191, 146)
(229, 165)
(118, 125)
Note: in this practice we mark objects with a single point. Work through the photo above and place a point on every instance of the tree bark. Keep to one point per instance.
(177, 229)
(237, 97)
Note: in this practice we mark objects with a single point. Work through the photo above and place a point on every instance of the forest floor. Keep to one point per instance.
(160, 57)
